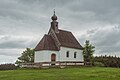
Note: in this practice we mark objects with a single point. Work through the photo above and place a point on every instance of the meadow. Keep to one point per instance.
(81, 73)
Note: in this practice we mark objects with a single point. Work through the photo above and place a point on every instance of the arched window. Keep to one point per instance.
(75, 54)
(67, 54)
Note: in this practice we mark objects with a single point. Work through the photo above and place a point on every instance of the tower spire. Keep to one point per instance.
(54, 17)
(54, 23)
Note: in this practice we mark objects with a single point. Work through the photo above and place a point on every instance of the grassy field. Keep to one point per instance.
(83, 73)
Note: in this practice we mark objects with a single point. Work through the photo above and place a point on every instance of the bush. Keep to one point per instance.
(99, 64)
(7, 67)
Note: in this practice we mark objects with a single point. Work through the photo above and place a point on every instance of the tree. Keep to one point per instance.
(88, 51)
(27, 56)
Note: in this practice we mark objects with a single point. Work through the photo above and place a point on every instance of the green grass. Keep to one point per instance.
(82, 73)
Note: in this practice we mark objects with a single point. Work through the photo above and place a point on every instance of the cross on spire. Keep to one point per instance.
(54, 11)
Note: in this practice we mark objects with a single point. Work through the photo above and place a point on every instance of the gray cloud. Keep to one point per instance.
(109, 42)
(9, 55)
(14, 42)
(106, 40)
(24, 22)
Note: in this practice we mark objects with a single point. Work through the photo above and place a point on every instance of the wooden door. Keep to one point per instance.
(53, 59)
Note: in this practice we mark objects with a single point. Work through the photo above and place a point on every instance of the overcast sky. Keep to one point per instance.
(24, 22)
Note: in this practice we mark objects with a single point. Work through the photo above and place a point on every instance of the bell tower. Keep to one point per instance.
(54, 23)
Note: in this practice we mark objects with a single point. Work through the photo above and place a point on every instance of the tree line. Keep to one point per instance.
(108, 61)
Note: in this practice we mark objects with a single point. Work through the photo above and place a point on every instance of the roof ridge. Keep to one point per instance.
(64, 30)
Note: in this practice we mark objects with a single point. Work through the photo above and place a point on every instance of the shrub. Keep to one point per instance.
(7, 67)
(98, 64)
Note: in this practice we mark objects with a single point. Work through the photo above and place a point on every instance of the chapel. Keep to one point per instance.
(58, 47)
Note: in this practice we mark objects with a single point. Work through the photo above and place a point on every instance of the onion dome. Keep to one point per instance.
(54, 17)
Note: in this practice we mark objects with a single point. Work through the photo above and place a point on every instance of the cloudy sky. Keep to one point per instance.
(24, 22)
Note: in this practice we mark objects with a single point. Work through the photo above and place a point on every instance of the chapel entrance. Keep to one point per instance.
(53, 59)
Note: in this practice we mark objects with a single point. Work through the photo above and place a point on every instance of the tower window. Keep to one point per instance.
(67, 54)
(56, 25)
(75, 54)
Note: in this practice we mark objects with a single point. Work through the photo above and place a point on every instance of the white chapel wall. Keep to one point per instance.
(45, 55)
(63, 50)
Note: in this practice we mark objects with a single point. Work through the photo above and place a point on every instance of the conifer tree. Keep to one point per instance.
(88, 51)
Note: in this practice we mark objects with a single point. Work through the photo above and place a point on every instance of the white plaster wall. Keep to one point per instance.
(45, 55)
(63, 50)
